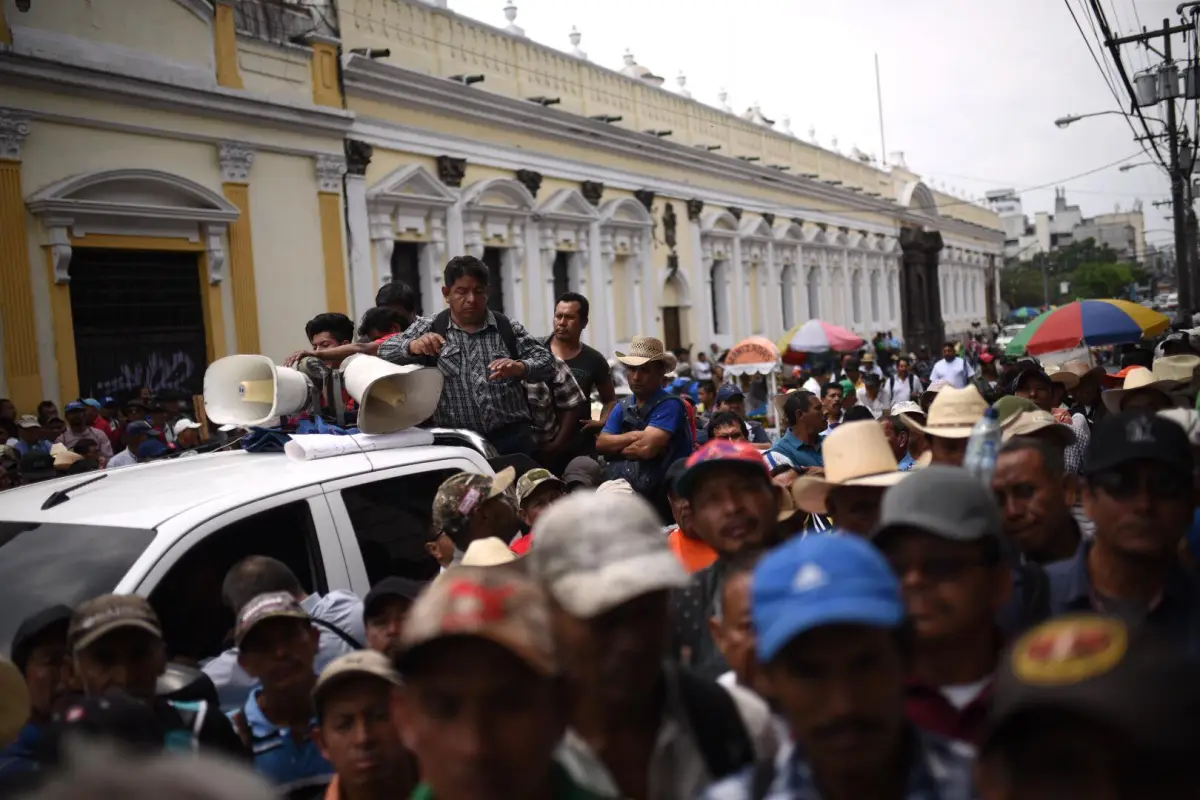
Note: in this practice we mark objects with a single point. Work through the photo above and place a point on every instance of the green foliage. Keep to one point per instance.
(1093, 272)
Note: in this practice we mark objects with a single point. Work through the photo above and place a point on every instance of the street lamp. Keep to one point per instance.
(1127, 167)
(1063, 122)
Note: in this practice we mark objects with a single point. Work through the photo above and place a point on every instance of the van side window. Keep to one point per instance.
(196, 624)
(391, 520)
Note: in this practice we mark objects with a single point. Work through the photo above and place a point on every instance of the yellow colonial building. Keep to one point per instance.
(181, 180)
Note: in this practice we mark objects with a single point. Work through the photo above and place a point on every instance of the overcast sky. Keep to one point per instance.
(971, 89)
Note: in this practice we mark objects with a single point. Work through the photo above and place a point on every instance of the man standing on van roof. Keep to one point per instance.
(483, 356)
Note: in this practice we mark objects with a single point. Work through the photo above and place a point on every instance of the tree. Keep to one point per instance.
(1101, 280)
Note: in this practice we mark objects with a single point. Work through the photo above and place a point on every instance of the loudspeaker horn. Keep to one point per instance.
(391, 397)
(248, 390)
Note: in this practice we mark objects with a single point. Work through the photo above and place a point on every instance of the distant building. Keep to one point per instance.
(1123, 231)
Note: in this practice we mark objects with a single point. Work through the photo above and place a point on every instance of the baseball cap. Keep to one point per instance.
(671, 479)
(114, 715)
(1128, 678)
(583, 470)
(358, 664)
(1010, 407)
(908, 407)
(815, 581)
(461, 494)
(34, 626)
(721, 453)
(1041, 424)
(500, 605)
(151, 448)
(139, 426)
(847, 385)
(272, 605)
(728, 391)
(528, 483)
(1030, 374)
(615, 486)
(947, 502)
(1133, 436)
(389, 587)
(93, 402)
(37, 465)
(28, 421)
(596, 551)
(75, 405)
(102, 615)
(185, 424)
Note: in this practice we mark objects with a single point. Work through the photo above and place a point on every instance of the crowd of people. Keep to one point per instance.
(657, 600)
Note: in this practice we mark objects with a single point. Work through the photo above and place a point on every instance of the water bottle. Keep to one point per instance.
(984, 446)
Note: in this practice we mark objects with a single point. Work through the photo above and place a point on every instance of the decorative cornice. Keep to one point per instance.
(451, 170)
(330, 169)
(592, 191)
(13, 131)
(531, 180)
(358, 156)
(798, 221)
(736, 212)
(768, 218)
(236, 161)
(695, 208)
(646, 198)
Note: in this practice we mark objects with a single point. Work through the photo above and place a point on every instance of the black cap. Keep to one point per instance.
(1136, 436)
(114, 716)
(37, 465)
(387, 588)
(673, 472)
(1031, 373)
(1129, 679)
(34, 626)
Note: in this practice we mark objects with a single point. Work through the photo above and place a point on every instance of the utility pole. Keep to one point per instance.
(1183, 259)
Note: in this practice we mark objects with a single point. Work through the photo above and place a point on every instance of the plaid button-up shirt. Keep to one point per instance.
(469, 399)
(548, 400)
(940, 770)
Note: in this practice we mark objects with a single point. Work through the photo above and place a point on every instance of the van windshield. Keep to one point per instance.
(44, 564)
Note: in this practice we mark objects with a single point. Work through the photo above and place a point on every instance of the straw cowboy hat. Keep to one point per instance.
(1073, 373)
(856, 454)
(1169, 374)
(1041, 425)
(952, 414)
(489, 552)
(643, 350)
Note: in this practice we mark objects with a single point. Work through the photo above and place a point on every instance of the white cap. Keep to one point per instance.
(616, 486)
(185, 424)
(907, 407)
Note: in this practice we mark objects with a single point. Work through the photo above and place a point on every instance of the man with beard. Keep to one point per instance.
(357, 729)
(635, 728)
(1138, 490)
(952, 369)
(833, 653)
(277, 645)
(734, 507)
(385, 611)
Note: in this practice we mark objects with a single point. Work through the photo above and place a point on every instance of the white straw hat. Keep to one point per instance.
(489, 552)
(952, 414)
(1164, 379)
(644, 349)
(856, 454)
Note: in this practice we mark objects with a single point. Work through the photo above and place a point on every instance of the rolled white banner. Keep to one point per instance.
(306, 447)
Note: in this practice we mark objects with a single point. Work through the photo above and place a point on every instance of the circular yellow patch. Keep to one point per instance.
(1070, 650)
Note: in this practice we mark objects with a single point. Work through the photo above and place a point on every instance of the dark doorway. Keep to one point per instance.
(562, 274)
(672, 334)
(494, 258)
(139, 321)
(406, 268)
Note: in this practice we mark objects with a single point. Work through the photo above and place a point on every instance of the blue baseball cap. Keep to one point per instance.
(75, 405)
(822, 580)
(139, 426)
(728, 391)
(93, 402)
(151, 448)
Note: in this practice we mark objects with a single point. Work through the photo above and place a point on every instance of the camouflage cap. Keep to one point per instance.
(598, 550)
(264, 607)
(499, 605)
(360, 663)
(104, 614)
(530, 481)
(460, 495)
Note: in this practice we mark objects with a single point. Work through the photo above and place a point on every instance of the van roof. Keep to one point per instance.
(146, 495)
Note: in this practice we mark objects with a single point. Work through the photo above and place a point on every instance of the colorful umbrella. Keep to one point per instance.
(1025, 312)
(816, 336)
(1090, 322)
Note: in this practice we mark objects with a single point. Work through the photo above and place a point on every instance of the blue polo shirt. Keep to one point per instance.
(670, 416)
(1176, 614)
(800, 453)
(277, 756)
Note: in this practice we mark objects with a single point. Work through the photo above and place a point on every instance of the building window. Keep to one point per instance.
(562, 274)
(719, 278)
(406, 269)
(787, 282)
(814, 293)
(494, 258)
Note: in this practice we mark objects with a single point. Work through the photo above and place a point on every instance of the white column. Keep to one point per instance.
(382, 235)
(455, 238)
(545, 260)
(739, 301)
(607, 310)
(595, 272)
(362, 273)
(645, 287)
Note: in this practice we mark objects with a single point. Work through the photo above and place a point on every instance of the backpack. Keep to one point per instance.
(441, 325)
(714, 719)
(351, 642)
(645, 477)
(892, 386)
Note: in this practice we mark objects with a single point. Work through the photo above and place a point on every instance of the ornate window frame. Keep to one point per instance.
(719, 243)
(625, 230)
(758, 272)
(565, 222)
(496, 213)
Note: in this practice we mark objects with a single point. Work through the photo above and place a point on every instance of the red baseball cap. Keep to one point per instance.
(717, 453)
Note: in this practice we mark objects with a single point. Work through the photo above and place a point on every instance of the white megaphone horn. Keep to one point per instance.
(391, 397)
(249, 390)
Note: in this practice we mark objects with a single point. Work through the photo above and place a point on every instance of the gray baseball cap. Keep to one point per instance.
(594, 551)
(948, 502)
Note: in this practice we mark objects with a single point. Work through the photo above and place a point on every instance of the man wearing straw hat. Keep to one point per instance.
(649, 430)
(1155, 389)
(952, 415)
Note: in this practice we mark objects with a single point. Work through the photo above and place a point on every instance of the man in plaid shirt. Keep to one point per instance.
(483, 388)
(558, 409)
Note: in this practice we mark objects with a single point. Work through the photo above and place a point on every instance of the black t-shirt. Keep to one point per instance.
(590, 368)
